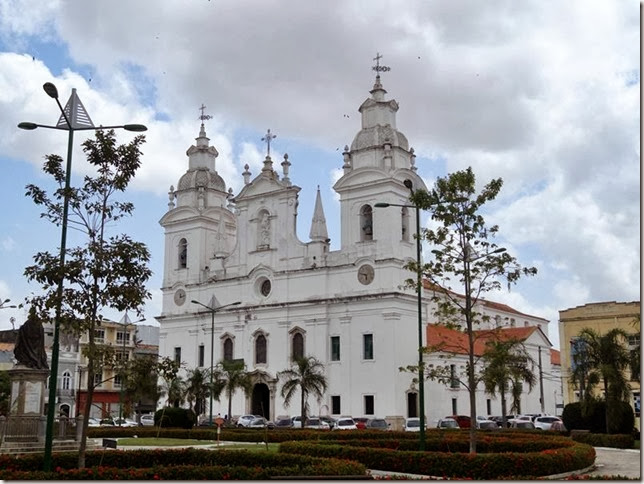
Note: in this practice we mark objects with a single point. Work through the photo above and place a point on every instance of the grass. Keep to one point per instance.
(167, 442)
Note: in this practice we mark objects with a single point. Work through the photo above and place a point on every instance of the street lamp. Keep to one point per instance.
(124, 324)
(421, 372)
(79, 121)
(2, 304)
(212, 342)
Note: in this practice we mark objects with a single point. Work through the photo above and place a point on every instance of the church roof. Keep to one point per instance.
(555, 357)
(318, 224)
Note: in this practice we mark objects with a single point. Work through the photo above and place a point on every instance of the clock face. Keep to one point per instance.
(179, 297)
(365, 274)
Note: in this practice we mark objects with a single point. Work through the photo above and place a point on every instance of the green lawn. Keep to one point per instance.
(167, 442)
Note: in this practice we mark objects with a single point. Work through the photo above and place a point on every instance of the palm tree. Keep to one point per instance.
(228, 376)
(507, 363)
(306, 375)
(608, 359)
(197, 389)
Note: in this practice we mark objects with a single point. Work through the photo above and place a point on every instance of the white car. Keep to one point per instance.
(125, 422)
(412, 424)
(147, 420)
(93, 422)
(316, 423)
(444, 423)
(345, 424)
(245, 420)
(545, 422)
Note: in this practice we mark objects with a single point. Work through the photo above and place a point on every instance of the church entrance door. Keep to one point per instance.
(260, 400)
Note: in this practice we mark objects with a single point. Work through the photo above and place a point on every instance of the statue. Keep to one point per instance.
(30, 345)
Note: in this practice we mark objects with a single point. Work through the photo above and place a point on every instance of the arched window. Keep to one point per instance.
(366, 223)
(183, 254)
(67, 380)
(228, 349)
(297, 346)
(260, 349)
(404, 223)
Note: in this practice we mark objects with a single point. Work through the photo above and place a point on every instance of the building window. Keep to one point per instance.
(202, 352)
(335, 348)
(122, 356)
(367, 346)
(117, 381)
(98, 379)
(183, 254)
(99, 336)
(335, 405)
(123, 337)
(260, 349)
(67, 380)
(297, 343)
(177, 354)
(228, 349)
(489, 406)
(366, 223)
(454, 406)
(368, 405)
(453, 377)
(404, 222)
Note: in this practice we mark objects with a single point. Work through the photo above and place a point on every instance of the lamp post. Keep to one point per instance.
(79, 121)
(212, 342)
(125, 322)
(419, 280)
(2, 304)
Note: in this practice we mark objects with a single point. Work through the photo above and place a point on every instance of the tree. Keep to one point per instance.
(507, 363)
(607, 360)
(197, 389)
(105, 272)
(141, 380)
(463, 253)
(306, 375)
(228, 376)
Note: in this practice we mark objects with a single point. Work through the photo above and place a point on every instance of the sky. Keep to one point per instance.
(544, 94)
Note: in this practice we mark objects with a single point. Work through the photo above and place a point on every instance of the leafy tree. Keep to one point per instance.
(507, 363)
(141, 380)
(608, 359)
(306, 375)
(228, 376)
(105, 272)
(463, 254)
(5, 392)
(197, 389)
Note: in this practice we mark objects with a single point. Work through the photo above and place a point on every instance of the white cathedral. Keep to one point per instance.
(347, 308)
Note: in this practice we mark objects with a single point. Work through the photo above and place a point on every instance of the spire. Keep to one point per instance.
(202, 140)
(378, 92)
(318, 224)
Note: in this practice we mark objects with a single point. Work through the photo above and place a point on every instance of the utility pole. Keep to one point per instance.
(541, 384)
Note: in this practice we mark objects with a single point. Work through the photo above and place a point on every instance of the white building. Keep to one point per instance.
(345, 307)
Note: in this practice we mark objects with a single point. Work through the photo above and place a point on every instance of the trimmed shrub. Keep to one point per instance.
(618, 441)
(623, 418)
(175, 417)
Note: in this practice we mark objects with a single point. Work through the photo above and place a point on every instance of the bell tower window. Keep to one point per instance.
(366, 223)
(404, 223)
(260, 349)
(183, 254)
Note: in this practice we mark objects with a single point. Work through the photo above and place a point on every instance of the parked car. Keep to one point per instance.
(107, 422)
(412, 424)
(378, 424)
(447, 423)
(330, 420)
(487, 425)
(544, 423)
(316, 423)
(258, 423)
(147, 420)
(361, 422)
(126, 422)
(345, 423)
(284, 423)
(297, 422)
(522, 424)
(245, 420)
(560, 427)
(93, 422)
(464, 421)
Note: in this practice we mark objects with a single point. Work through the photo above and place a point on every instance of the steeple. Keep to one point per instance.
(318, 224)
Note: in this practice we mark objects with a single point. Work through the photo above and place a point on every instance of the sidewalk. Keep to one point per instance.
(614, 462)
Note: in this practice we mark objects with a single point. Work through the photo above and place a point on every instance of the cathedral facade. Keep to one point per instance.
(273, 296)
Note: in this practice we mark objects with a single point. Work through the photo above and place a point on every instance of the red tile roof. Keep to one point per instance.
(555, 357)
(441, 338)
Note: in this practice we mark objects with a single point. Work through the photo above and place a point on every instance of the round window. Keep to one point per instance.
(265, 287)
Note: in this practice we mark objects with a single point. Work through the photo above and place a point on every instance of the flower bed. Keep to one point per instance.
(184, 464)
(531, 456)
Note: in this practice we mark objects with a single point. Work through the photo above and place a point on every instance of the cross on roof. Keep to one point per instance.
(203, 116)
(378, 68)
(267, 139)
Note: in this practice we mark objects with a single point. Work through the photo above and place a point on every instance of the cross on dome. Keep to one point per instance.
(268, 137)
(203, 116)
(378, 68)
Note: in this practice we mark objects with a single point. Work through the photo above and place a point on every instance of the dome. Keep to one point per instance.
(377, 136)
(201, 177)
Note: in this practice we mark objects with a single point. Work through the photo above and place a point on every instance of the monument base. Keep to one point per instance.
(27, 409)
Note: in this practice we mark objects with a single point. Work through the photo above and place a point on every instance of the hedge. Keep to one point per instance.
(618, 441)
(563, 455)
(183, 464)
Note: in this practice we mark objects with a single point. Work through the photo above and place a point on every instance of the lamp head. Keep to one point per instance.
(408, 183)
(135, 127)
(27, 126)
(381, 205)
(50, 89)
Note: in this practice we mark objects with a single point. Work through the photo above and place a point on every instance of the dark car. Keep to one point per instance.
(377, 424)
(284, 423)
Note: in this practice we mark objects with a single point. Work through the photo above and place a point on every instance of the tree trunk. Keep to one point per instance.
(504, 410)
(303, 403)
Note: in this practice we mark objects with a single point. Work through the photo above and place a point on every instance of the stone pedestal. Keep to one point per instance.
(27, 391)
